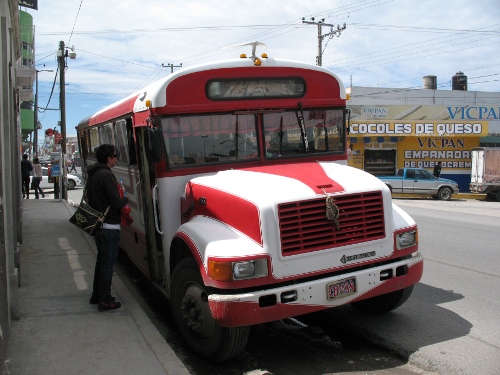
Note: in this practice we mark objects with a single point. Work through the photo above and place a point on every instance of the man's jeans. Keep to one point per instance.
(108, 243)
(36, 185)
(26, 185)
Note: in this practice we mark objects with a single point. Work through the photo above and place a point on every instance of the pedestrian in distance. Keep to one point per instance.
(37, 178)
(437, 169)
(72, 166)
(26, 169)
(102, 192)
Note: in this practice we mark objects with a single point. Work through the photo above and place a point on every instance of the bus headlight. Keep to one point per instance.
(243, 270)
(406, 239)
(229, 271)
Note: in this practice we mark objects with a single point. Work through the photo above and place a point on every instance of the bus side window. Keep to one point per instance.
(131, 142)
(106, 134)
(122, 141)
(93, 141)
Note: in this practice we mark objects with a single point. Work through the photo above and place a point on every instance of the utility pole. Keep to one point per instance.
(62, 106)
(62, 54)
(35, 119)
(171, 66)
(333, 32)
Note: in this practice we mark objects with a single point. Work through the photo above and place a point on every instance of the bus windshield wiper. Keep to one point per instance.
(302, 126)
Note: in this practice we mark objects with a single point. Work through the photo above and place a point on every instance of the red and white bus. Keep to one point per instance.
(244, 210)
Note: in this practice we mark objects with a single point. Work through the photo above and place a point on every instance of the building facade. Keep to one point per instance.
(396, 128)
(16, 80)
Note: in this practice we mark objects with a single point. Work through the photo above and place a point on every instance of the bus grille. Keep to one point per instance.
(304, 227)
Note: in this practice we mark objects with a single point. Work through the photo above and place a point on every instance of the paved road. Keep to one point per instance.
(451, 323)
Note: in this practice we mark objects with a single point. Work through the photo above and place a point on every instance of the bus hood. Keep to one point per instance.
(251, 200)
(287, 182)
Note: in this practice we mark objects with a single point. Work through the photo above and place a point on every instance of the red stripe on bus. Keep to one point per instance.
(237, 212)
(310, 174)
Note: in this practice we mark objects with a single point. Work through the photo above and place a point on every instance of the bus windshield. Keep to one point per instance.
(304, 132)
(224, 138)
(210, 138)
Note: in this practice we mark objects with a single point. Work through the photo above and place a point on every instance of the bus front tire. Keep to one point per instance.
(190, 310)
(384, 303)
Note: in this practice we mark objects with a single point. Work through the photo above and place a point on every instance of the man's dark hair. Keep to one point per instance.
(103, 152)
(25, 156)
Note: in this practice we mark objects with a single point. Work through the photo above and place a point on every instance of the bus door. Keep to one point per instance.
(147, 139)
(132, 238)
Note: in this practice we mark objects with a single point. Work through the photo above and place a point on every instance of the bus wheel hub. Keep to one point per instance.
(196, 312)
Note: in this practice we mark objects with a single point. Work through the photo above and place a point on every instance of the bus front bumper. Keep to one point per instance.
(268, 305)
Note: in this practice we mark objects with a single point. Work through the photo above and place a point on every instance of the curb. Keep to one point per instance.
(454, 196)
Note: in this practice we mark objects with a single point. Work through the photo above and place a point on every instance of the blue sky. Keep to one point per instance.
(122, 44)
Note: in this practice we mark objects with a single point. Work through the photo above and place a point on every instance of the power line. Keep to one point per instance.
(426, 43)
(272, 26)
(167, 29)
(123, 61)
(270, 31)
(74, 24)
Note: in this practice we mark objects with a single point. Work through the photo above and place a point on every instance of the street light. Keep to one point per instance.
(35, 120)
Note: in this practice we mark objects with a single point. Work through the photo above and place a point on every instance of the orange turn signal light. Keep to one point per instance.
(220, 271)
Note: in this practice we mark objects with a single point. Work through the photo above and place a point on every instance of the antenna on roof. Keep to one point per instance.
(253, 44)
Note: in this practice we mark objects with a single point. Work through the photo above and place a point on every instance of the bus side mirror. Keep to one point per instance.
(152, 145)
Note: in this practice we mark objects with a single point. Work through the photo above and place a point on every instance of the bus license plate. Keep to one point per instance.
(341, 288)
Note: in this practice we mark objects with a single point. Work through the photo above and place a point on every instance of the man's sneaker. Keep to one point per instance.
(111, 305)
(94, 300)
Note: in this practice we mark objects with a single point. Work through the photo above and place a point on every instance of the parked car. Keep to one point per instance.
(44, 161)
(420, 181)
(72, 180)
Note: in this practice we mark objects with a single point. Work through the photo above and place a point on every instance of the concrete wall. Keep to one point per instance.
(10, 197)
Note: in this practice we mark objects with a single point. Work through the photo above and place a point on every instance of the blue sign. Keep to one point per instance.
(55, 170)
(55, 164)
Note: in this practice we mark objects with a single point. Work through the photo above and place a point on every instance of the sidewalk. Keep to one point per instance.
(59, 331)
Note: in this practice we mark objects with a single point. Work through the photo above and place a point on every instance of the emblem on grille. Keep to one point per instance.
(350, 258)
(332, 211)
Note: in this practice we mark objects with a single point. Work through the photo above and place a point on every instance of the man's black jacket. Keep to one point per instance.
(102, 191)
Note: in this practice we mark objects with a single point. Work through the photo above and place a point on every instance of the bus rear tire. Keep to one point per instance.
(190, 310)
(384, 303)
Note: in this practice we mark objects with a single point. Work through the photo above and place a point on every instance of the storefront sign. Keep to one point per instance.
(33, 4)
(419, 128)
(474, 113)
(454, 153)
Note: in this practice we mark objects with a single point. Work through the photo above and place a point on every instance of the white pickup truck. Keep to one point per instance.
(420, 181)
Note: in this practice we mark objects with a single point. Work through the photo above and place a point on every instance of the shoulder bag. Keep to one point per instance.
(88, 219)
